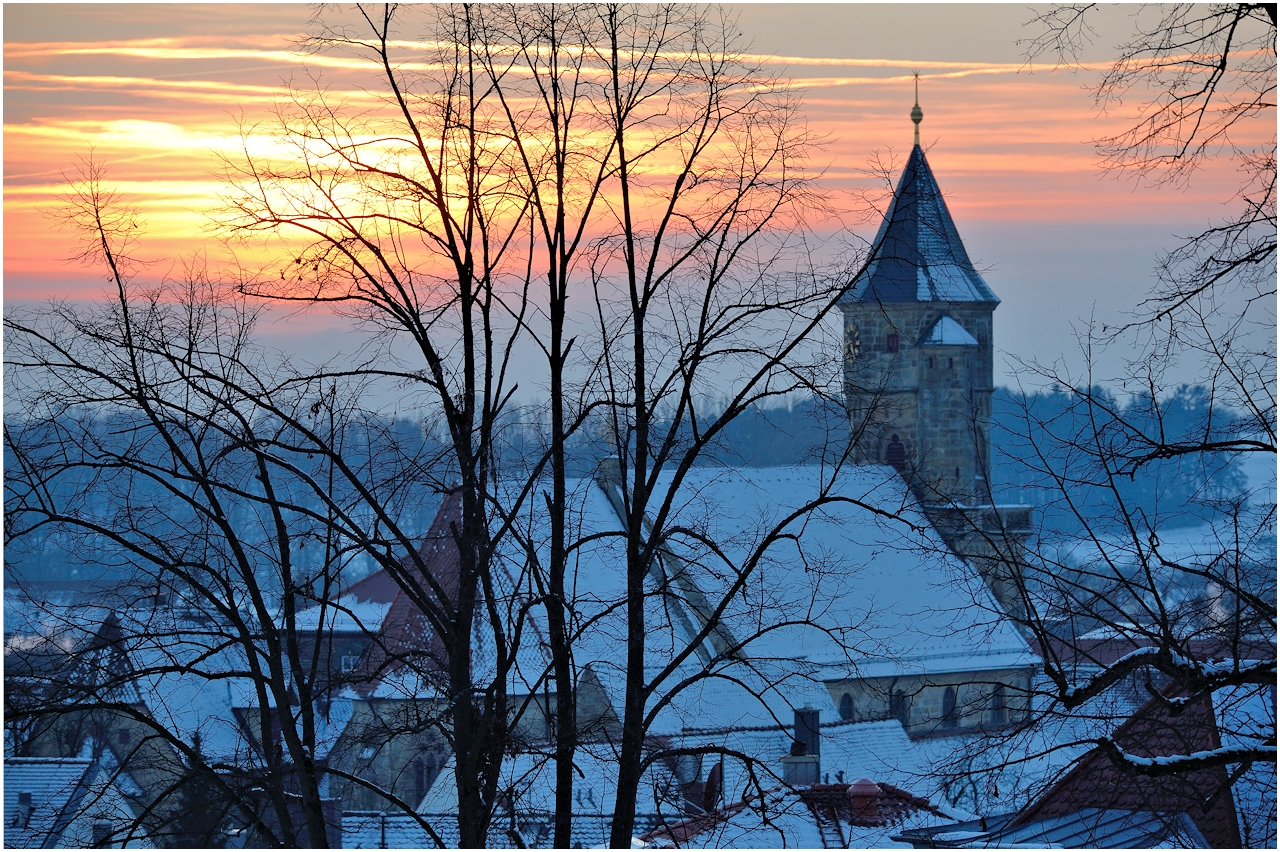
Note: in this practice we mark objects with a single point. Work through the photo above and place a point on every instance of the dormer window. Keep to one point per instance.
(948, 332)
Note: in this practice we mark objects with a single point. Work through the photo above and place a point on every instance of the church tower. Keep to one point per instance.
(918, 351)
(918, 373)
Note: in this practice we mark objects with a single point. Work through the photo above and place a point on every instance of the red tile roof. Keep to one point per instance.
(1153, 731)
(406, 632)
(830, 804)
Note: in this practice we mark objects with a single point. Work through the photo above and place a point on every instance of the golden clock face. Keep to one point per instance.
(852, 343)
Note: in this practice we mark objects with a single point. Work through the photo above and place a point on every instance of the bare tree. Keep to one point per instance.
(151, 430)
(413, 222)
(628, 150)
(628, 160)
(1204, 77)
(1132, 610)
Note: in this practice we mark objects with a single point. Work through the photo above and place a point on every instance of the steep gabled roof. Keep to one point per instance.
(917, 255)
(405, 632)
(68, 796)
(1155, 730)
(865, 565)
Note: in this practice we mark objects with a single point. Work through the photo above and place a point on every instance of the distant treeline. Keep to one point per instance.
(1043, 454)
(1097, 462)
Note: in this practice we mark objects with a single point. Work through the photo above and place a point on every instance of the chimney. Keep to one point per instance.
(864, 801)
(807, 730)
(802, 767)
(23, 817)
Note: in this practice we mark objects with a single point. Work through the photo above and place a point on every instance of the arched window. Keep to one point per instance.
(949, 715)
(896, 453)
(898, 708)
(846, 707)
(999, 712)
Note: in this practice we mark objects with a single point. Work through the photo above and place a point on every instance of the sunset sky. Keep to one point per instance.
(158, 92)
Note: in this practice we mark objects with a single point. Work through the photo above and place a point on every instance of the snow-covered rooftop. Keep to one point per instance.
(847, 573)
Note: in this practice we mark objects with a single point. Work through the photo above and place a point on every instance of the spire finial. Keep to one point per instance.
(916, 114)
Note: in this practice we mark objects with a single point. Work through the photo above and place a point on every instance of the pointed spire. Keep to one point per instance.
(917, 255)
(916, 113)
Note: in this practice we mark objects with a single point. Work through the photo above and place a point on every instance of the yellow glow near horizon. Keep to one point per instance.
(162, 109)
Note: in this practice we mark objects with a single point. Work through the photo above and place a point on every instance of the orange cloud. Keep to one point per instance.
(1010, 145)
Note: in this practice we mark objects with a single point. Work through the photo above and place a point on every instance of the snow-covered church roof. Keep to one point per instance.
(849, 575)
(820, 574)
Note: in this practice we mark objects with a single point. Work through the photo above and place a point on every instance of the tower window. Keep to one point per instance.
(846, 707)
(951, 363)
(891, 342)
(419, 780)
(930, 362)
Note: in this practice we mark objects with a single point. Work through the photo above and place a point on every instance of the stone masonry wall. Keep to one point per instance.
(937, 399)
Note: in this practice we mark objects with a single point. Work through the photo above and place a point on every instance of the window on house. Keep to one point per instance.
(930, 362)
(349, 663)
(951, 363)
(846, 707)
(950, 716)
(891, 342)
